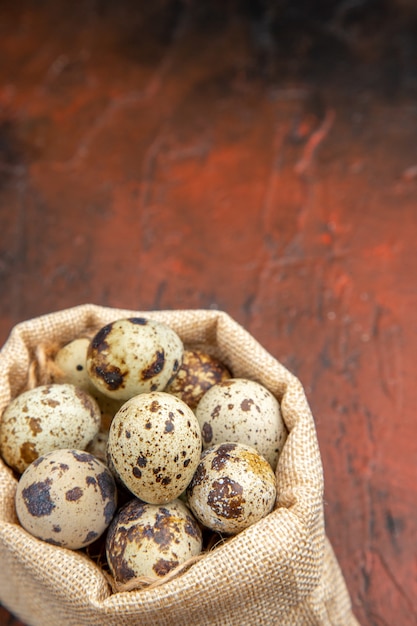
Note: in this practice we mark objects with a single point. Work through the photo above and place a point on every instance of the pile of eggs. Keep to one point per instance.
(143, 443)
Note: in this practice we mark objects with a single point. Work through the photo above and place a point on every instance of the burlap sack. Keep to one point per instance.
(281, 570)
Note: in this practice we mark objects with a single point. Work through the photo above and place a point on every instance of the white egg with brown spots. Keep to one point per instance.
(66, 498)
(243, 411)
(232, 488)
(151, 540)
(44, 419)
(132, 356)
(154, 446)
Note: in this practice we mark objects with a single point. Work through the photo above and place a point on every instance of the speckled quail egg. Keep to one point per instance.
(232, 488)
(46, 418)
(154, 446)
(243, 411)
(151, 540)
(67, 498)
(132, 356)
(199, 371)
(71, 363)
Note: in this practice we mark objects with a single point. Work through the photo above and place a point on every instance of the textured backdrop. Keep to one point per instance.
(253, 159)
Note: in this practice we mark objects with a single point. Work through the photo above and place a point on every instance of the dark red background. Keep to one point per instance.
(255, 157)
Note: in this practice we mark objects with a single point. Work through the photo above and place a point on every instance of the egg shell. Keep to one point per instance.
(132, 356)
(232, 488)
(199, 371)
(154, 446)
(151, 540)
(71, 361)
(46, 418)
(67, 498)
(243, 411)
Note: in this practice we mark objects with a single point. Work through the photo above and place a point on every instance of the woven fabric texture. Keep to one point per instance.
(281, 570)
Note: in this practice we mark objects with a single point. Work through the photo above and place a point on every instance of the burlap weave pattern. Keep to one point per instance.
(281, 570)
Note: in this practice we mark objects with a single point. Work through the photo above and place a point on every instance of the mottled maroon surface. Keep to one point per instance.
(223, 155)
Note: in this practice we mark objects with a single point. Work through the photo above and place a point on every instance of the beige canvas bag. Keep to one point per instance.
(280, 571)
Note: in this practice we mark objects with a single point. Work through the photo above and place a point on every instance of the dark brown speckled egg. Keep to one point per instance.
(198, 373)
(151, 540)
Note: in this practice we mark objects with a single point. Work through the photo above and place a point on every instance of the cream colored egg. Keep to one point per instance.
(243, 411)
(151, 540)
(233, 487)
(67, 498)
(154, 446)
(71, 363)
(46, 418)
(132, 356)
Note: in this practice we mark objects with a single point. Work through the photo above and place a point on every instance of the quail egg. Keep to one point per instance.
(71, 363)
(232, 488)
(199, 371)
(67, 498)
(154, 446)
(132, 356)
(46, 418)
(243, 411)
(151, 540)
